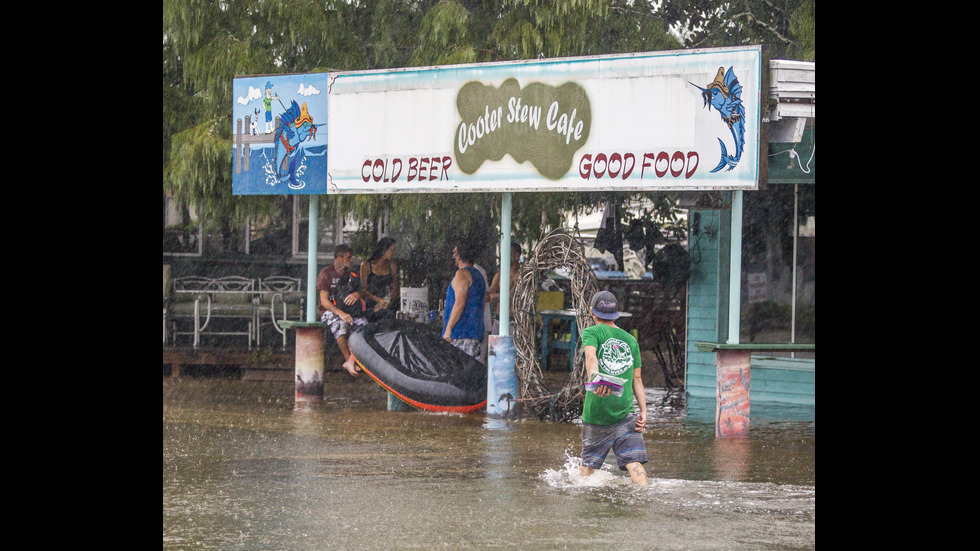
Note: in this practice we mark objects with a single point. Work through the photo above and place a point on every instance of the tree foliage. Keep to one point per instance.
(784, 26)
(206, 44)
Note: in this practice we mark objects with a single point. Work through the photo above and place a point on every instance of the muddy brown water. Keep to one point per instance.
(245, 466)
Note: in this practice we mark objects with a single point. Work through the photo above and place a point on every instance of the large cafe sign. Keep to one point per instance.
(679, 120)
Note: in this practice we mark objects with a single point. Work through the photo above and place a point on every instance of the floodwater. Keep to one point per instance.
(245, 466)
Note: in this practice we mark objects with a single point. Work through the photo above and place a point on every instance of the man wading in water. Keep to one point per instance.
(608, 421)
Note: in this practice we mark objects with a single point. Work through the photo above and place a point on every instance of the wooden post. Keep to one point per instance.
(243, 140)
(246, 149)
(238, 146)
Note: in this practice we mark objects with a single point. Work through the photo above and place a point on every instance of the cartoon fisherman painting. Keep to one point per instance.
(267, 101)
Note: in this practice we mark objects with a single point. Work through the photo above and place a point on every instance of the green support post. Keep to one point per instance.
(505, 222)
(735, 269)
(309, 334)
(502, 384)
(312, 240)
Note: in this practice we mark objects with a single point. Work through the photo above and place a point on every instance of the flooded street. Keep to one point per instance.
(246, 467)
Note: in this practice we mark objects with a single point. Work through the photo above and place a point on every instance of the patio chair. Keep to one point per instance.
(280, 298)
(230, 298)
(184, 304)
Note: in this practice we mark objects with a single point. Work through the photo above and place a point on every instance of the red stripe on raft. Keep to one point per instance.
(420, 405)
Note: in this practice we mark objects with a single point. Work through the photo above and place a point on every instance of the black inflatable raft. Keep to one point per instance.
(411, 361)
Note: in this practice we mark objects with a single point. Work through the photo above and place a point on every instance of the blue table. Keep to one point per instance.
(548, 340)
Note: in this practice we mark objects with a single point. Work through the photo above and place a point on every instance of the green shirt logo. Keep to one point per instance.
(614, 356)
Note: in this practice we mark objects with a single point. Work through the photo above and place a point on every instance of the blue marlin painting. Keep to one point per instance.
(725, 95)
(295, 127)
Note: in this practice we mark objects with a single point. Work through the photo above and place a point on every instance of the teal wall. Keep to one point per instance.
(773, 379)
(707, 296)
(789, 380)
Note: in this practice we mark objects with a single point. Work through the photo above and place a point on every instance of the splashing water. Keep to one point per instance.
(272, 177)
(612, 486)
(569, 476)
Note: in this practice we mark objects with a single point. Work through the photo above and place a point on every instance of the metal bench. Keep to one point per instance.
(280, 298)
(200, 306)
(184, 303)
(231, 298)
(203, 301)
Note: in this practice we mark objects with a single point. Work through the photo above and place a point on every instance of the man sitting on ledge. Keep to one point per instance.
(339, 321)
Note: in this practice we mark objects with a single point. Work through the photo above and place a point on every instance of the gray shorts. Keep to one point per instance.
(621, 437)
(470, 346)
(337, 326)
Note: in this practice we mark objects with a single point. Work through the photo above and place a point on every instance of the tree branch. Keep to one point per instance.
(772, 30)
(748, 16)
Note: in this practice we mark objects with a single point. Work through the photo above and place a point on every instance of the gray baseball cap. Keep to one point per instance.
(604, 306)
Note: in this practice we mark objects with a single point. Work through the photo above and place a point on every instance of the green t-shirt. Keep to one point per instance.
(618, 354)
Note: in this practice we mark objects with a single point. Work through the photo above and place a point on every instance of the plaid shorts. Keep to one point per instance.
(470, 346)
(621, 437)
(337, 326)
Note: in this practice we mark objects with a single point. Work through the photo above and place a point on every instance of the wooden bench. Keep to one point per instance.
(732, 379)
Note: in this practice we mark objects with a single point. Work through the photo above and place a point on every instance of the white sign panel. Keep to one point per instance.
(677, 120)
(758, 287)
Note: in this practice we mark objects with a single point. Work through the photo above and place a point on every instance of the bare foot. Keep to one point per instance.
(351, 366)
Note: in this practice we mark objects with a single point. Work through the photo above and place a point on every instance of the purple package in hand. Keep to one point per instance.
(615, 384)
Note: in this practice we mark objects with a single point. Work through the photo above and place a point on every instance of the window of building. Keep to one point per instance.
(272, 235)
(330, 227)
(778, 265)
(282, 233)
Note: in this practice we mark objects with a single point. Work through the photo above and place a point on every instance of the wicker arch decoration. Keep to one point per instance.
(558, 249)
